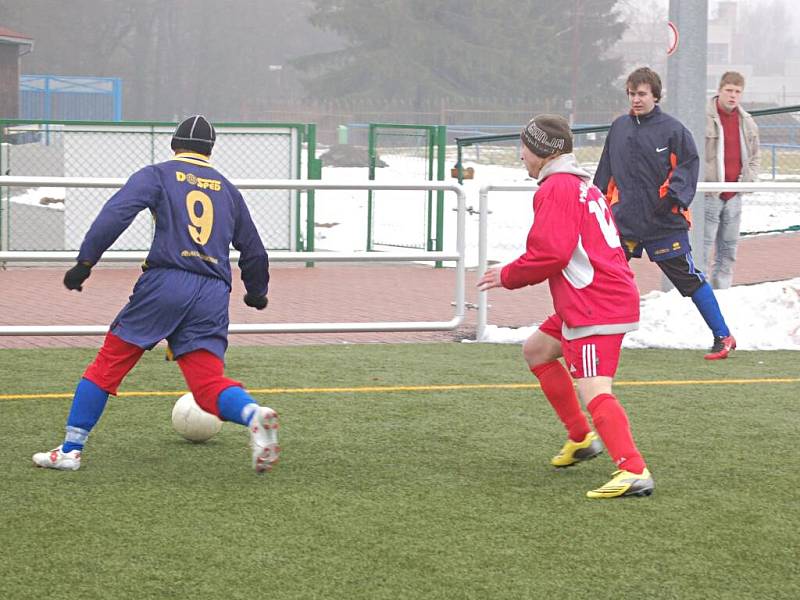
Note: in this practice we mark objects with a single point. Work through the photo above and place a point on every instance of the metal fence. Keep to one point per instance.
(58, 218)
(270, 184)
(779, 130)
(60, 97)
(486, 227)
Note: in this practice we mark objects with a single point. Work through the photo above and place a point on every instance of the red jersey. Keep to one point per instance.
(574, 245)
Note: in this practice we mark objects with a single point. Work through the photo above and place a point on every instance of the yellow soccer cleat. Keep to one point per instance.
(574, 452)
(625, 483)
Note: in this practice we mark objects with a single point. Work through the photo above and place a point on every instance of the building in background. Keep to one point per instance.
(777, 84)
(769, 83)
(12, 46)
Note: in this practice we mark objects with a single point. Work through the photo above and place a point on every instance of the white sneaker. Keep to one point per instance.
(56, 459)
(264, 439)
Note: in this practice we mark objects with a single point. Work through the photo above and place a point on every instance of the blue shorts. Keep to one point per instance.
(676, 244)
(188, 310)
(673, 255)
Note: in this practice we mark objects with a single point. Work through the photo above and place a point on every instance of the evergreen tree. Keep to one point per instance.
(420, 50)
(174, 58)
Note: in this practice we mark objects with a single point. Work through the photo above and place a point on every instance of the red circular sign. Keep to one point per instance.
(673, 38)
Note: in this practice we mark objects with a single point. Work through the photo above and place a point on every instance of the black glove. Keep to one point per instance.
(255, 301)
(74, 278)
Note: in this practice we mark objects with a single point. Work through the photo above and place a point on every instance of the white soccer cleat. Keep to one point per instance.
(56, 459)
(264, 439)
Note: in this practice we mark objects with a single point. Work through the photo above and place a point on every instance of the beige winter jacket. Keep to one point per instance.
(715, 145)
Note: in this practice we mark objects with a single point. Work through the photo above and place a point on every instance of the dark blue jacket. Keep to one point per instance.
(198, 215)
(648, 172)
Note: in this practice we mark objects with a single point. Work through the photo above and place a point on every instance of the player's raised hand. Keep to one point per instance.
(74, 278)
(256, 301)
(490, 279)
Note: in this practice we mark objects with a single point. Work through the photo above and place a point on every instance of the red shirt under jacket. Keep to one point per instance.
(733, 150)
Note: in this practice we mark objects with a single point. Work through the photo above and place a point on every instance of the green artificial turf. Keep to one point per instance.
(394, 486)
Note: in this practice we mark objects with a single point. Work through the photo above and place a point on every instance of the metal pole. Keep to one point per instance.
(483, 227)
(685, 96)
(372, 152)
(5, 195)
(441, 149)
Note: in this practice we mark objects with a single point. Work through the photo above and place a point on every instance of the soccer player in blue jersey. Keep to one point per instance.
(182, 296)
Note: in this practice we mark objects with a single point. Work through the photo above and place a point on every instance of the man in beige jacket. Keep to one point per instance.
(732, 154)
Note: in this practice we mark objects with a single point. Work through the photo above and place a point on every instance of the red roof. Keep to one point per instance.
(8, 33)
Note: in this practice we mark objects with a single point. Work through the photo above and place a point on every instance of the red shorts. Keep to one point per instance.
(592, 356)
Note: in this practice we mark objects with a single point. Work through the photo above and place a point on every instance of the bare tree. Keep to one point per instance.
(761, 42)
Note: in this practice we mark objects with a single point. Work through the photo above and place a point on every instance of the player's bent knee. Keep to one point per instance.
(113, 362)
(203, 372)
(540, 349)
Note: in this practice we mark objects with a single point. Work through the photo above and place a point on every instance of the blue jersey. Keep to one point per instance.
(198, 215)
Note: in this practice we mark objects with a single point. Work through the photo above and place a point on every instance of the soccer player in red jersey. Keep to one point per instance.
(574, 246)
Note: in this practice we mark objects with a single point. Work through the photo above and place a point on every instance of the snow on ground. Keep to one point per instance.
(762, 317)
(341, 216)
(399, 215)
(43, 196)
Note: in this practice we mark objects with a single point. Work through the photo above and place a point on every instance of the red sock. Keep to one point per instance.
(557, 387)
(612, 425)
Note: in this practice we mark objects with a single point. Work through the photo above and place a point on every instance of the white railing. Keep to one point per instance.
(483, 223)
(274, 257)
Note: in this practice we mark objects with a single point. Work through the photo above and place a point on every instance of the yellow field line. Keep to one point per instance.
(425, 388)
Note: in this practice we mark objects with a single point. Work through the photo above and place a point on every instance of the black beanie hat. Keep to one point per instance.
(195, 134)
(546, 135)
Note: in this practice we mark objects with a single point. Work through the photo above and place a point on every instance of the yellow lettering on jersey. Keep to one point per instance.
(204, 184)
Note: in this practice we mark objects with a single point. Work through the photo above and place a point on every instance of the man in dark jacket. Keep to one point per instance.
(648, 172)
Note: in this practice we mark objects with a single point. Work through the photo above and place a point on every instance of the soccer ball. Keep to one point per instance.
(192, 422)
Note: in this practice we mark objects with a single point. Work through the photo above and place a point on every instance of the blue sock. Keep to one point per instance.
(236, 405)
(87, 407)
(706, 303)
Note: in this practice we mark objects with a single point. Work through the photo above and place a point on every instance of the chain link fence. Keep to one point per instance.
(58, 218)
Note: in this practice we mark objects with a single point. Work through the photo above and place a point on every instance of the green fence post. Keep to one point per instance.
(314, 172)
(430, 242)
(5, 192)
(372, 153)
(441, 142)
(459, 153)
